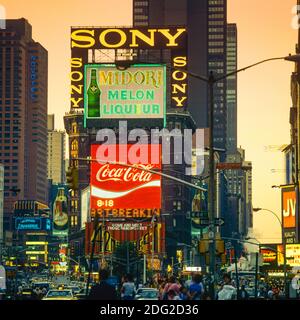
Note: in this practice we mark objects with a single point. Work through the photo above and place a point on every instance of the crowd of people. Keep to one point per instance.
(170, 288)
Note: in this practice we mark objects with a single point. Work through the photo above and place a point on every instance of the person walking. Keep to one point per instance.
(196, 289)
(128, 288)
(228, 291)
(171, 285)
(103, 290)
(244, 295)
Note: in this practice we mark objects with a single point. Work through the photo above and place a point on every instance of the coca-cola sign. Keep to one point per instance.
(119, 186)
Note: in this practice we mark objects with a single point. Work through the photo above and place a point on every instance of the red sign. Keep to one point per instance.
(111, 234)
(289, 207)
(116, 186)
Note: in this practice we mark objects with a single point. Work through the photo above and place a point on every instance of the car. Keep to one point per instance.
(81, 295)
(75, 289)
(28, 294)
(146, 294)
(60, 295)
(41, 285)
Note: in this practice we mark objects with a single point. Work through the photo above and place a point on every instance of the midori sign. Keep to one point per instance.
(137, 92)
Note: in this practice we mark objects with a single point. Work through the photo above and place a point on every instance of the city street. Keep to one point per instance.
(149, 151)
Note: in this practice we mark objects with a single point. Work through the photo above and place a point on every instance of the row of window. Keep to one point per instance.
(140, 3)
(216, 2)
(216, 50)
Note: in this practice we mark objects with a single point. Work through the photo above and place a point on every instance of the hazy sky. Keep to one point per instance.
(264, 31)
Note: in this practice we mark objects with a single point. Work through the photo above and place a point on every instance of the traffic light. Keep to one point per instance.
(220, 246)
(169, 268)
(72, 178)
(203, 246)
(179, 255)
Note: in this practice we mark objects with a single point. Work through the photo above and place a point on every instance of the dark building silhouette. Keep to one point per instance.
(23, 115)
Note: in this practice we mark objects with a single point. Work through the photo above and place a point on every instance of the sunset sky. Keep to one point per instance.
(264, 31)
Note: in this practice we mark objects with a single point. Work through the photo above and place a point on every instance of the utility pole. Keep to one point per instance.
(211, 190)
(145, 269)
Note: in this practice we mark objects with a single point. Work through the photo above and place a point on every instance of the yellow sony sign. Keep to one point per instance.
(116, 38)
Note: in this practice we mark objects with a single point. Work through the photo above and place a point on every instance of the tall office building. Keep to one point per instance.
(1, 203)
(56, 152)
(231, 88)
(23, 115)
(206, 23)
(239, 213)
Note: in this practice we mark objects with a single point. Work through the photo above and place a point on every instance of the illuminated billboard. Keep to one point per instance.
(85, 206)
(289, 207)
(60, 213)
(113, 234)
(135, 93)
(115, 186)
(269, 256)
(293, 255)
(33, 224)
(87, 43)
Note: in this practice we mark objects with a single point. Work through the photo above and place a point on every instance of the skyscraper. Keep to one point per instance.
(1, 203)
(23, 115)
(56, 152)
(206, 23)
(231, 88)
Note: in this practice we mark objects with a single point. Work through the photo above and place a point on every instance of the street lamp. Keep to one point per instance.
(283, 243)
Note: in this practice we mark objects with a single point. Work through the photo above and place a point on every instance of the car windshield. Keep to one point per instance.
(59, 293)
(148, 293)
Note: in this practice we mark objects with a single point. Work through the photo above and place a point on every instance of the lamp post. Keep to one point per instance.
(283, 244)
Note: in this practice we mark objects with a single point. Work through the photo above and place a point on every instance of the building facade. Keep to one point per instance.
(206, 22)
(56, 152)
(23, 112)
(231, 97)
(1, 203)
(239, 213)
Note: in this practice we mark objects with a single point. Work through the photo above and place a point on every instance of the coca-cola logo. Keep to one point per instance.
(108, 173)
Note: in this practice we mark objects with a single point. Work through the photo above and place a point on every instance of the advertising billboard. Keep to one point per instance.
(138, 92)
(115, 186)
(293, 255)
(33, 224)
(289, 207)
(87, 42)
(111, 234)
(85, 206)
(60, 213)
(269, 256)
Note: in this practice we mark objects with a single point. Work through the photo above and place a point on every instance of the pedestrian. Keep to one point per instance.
(128, 288)
(183, 294)
(172, 295)
(196, 289)
(244, 295)
(228, 291)
(103, 290)
(171, 285)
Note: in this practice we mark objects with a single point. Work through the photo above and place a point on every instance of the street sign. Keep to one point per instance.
(219, 222)
(199, 215)
(228, 245)
(204, 222)
(229, 166)
(2, 278)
